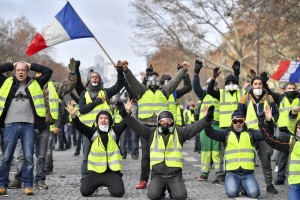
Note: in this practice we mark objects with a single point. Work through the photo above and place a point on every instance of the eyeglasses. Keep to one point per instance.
(240, 121)
(164, 121)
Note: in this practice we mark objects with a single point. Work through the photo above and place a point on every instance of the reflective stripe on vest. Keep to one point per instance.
(117, 116)
(37, 96)
(294, 163)
(53, 100)
(208, 101)
(99, 157)
(251, 117)
(172, 104)
(4, 91)
(178, 115)
(284, 109)
(228, 104)
(151, 103)
(171, 155)
(239, 153)
(90, 117)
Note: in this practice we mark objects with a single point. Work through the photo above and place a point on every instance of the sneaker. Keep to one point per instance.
(279, 182)
(15, 184)
(28, 191)
(271, 189)
(41, 185)
(276, 169)
(3, 191)
(141, 185)
(76, 153)
(202, 178)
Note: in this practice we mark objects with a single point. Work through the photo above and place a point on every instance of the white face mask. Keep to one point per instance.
(103, 128)
(94, 84)
(257, 92)
(231, 87)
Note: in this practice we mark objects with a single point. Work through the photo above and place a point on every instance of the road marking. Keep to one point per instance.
(190, 159)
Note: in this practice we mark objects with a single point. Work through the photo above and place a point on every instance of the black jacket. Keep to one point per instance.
(40, 122)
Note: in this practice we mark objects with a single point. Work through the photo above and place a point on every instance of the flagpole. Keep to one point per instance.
(97, 41)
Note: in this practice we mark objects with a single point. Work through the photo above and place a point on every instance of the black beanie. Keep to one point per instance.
(104, 112)
(237, 114)
(256, 78)
(232, 78)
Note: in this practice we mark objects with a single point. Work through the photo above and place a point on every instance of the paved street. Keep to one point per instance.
(64, 183)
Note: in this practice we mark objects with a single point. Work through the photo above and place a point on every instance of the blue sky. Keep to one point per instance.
(109, 21)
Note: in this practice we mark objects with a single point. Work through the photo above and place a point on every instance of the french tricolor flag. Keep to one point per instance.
(288, 71)
(66, 25)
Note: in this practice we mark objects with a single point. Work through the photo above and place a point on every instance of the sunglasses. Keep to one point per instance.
(240, 121)
(164, 121)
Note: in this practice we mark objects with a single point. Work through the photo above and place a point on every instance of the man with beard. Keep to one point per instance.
(251, 105)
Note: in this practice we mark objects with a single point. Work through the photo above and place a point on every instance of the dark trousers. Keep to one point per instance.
(283, 157)
(86, 150)
(93, 180)
(175, 184)
(62, 139)
(145, 162)
(265, 152)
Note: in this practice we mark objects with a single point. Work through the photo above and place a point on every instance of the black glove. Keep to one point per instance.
(179, 66)
(198, 66)
(252, 74)
(77, 66)
(210, 113)
(122, 110)
(149, 70)
(236, 68)
(264, 76)
(216, 72)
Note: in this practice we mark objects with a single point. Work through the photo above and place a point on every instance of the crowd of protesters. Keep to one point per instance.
(232, 126)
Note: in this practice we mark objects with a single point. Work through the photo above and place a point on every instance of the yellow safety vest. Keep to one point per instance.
(178, 115)
(171, 155)
(117, 116)
(99, 157)
(35, 91)
(294, 162)
(228, 104)
(208, 101)
(52, 127)
(251, 116)
(172, 104)
(53, 101)
(189, 117)
(151, 103)
(284, 108)
(90, 117)
(239, 153)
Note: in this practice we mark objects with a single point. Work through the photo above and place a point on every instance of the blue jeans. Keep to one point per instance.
(233, 182)
(79, 140)
(41, 150)
(294, 192)
(12, 132)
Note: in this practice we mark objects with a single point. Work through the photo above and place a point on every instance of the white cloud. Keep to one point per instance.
(108, 21)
